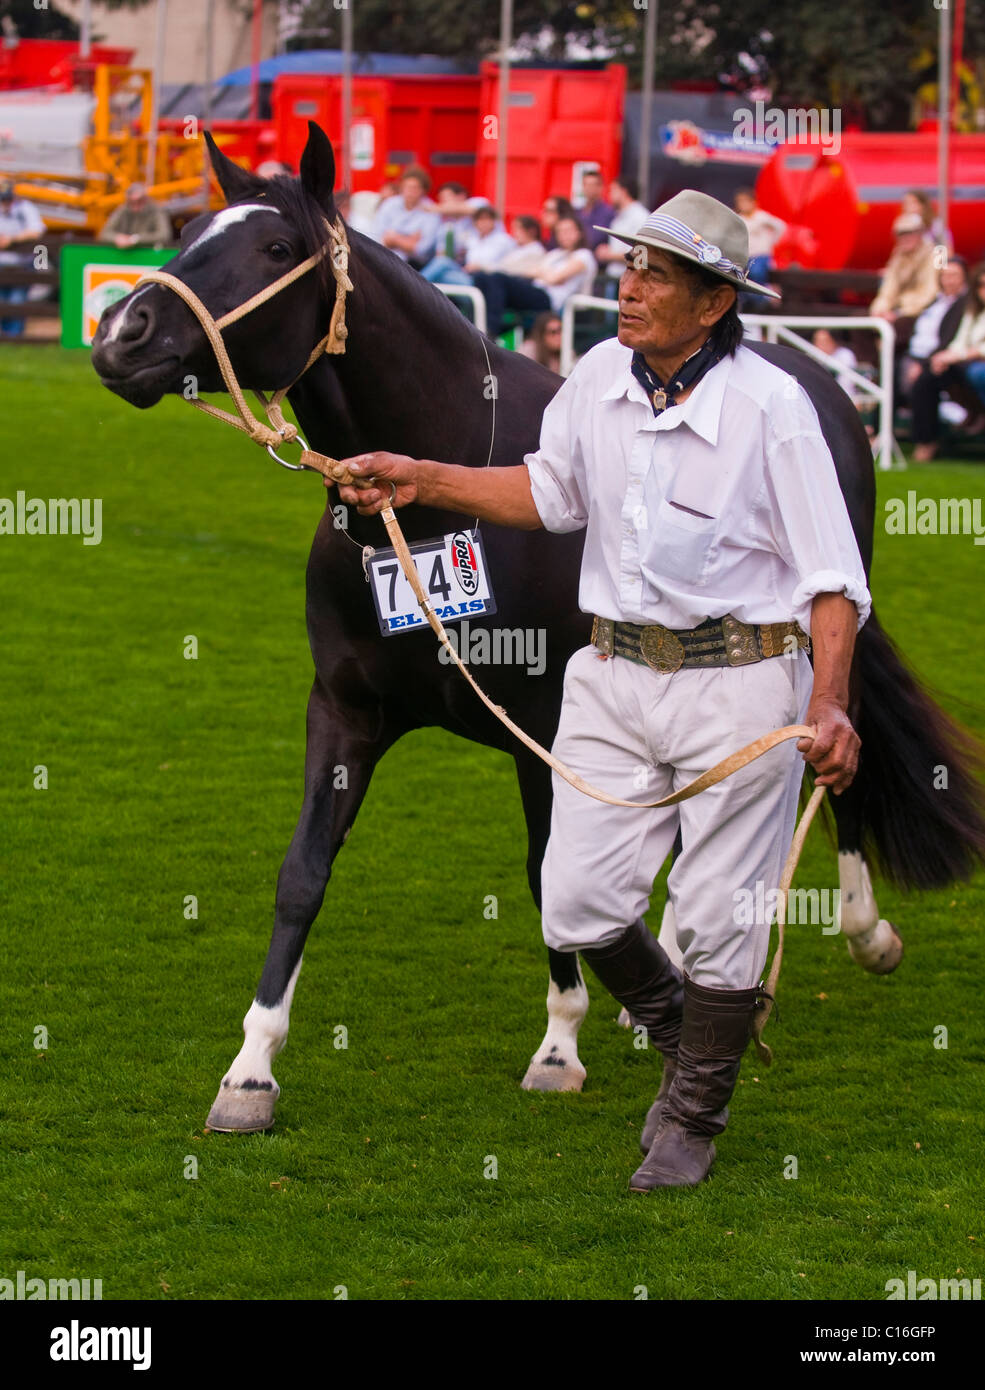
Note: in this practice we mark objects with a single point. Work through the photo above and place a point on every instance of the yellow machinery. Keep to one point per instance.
(124, 148)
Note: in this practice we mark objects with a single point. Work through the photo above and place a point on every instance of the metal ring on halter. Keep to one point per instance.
(393, 491)
(294, 467)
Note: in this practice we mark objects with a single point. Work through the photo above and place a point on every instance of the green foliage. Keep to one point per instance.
(169, 777)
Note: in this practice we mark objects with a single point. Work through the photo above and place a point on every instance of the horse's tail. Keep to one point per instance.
(923, 808)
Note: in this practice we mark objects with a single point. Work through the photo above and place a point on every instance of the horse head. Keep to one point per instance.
(150, 343)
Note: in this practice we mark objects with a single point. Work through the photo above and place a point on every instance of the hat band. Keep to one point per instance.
(708, 254)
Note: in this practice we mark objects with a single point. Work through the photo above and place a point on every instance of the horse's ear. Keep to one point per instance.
(318, 167)
(236, 183)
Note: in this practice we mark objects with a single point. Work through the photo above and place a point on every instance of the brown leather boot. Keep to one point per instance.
(714, 1035)
(637, 972)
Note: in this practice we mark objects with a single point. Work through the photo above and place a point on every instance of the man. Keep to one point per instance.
(595, 214)
(486, 246)
(909, 282)
(405, 224)
(765, 231)
(938, 323)
(20, 228)
(138, 221)
(715, 527)
(629, 215)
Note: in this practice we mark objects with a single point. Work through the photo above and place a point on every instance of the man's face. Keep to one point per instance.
(952, 280)
(592, 186)
(484, 224)
(908, 241)
(413, 191)
(657, 312)
(136, 198)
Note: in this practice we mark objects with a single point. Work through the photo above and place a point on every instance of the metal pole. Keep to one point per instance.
(209, 80)
(85, 30)
(943, 113)
(156, 79)
(257, 43)
(347, 96)
(505, 44)
(646, 107)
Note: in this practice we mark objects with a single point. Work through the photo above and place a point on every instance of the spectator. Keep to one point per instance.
(629, 215)
(20, 226)
(527, 256)
(937, 325)
(544, 341)
(909, 282)
(566, 271)
(138, 221)
(962, 362)
(405, 224)
(764, 231)
(934, 231)
(487, 246)
(554, 207)
(840, 358)
(595, 214)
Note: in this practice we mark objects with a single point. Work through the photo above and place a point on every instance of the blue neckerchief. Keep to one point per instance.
(661, 394)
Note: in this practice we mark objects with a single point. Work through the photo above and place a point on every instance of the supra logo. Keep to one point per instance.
(464, 563)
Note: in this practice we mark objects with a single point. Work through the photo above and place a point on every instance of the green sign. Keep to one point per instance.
(93, 278)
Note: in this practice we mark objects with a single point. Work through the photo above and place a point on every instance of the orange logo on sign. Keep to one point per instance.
(103, 285)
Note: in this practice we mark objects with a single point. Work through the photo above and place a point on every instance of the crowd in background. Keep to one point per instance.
(527, 272)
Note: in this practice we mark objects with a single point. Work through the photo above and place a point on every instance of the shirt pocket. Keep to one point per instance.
(680, 545)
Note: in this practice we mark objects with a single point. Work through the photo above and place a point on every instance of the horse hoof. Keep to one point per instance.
(557, 1075)
(880, 950)
(238, 1111)
(624, 1020)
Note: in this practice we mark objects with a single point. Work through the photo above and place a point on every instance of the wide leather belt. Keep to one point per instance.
(715, 642)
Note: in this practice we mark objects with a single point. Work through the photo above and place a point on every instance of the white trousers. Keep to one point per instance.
(640, 735)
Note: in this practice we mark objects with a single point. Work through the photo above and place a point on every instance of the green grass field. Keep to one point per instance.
(169, 777)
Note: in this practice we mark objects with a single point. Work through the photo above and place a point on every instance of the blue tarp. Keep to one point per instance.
(328, 61)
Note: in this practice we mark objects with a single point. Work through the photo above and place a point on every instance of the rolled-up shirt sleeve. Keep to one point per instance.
(809, 519)
(556, 470)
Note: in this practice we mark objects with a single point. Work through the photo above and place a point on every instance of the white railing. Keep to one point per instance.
(475, 296)
(783, 328)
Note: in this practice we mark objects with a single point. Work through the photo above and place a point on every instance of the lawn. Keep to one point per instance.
(169, 777)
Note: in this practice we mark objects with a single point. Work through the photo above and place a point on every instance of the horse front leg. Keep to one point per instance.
(339, 762)
(873, 942)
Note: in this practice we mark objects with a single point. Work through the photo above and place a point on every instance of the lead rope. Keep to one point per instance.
(280, 431)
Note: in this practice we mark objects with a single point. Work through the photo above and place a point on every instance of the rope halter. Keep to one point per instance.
(278, 431)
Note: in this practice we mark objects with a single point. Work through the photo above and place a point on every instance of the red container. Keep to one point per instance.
(560, 120)
(396, 121)
(841, 205)
(51, 63)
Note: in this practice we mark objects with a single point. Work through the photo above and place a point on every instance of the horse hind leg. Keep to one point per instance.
(873, 942)
(248, 1092)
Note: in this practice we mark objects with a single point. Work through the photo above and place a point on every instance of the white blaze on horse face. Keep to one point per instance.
(225, 219)
(266, 1033)
(118, 322)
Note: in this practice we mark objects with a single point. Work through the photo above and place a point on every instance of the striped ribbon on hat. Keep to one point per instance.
(676, 230)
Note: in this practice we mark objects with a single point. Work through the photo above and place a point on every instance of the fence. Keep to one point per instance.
(783, 328)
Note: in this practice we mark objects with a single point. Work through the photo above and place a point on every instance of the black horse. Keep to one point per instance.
(415, 379)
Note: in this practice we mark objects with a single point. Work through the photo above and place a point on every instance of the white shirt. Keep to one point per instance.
(728, 503)
(628, 221)
(926, 335)
(485, 252)
(575, 284)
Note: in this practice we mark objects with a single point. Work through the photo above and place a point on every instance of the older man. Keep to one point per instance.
(909, 282)
(138, 221)
(717, 538)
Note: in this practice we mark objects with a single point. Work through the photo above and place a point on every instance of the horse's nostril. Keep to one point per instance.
(138, 324)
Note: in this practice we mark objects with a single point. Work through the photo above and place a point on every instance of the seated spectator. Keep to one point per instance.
(909, 282)
(138, 221)
(961, 363)
(566, 271)
(543, 343)
(486, 247)
(526, 257)
(595, 214)
(764, 231)
(628, 216)
(934, 230)
(20, 228)
(554, 207)
(840, 358)
(405, 223)
(937, 325)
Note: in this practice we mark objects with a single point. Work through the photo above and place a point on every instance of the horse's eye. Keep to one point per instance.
(279, 250)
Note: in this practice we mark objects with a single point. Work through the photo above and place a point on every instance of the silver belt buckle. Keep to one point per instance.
(741, 647)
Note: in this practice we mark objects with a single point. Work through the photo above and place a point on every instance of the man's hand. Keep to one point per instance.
(833, 751)
(374, 473)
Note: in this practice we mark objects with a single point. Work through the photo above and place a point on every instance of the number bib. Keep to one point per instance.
(453, 574)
